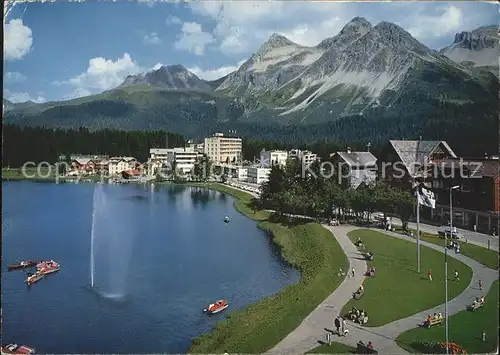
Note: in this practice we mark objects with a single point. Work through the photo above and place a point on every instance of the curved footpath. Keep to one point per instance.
(313, 329)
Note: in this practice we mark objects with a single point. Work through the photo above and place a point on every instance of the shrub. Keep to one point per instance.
(433, 347)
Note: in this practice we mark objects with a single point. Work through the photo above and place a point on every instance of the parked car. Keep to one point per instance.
(334, 222)
(446, 231)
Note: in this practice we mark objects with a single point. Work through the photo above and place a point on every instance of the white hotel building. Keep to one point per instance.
(117, 165)
(273, 157)
(305, 156)
(184, 159)
(223, 149)
(257, 175)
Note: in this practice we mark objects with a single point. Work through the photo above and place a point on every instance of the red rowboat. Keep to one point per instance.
(216, 307)
(17, 349)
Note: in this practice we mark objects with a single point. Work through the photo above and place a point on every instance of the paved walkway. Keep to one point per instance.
(479, 239)
(313, 328)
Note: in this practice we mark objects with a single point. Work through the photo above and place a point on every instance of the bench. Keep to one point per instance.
(474, 306)
(434, 321)
(358, 294)
(363, 349)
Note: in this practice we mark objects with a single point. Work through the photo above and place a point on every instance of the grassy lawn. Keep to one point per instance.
(257, 328)
(30, 173)
(335, 348)
(398, 291)
(465, 329)
(487, 257)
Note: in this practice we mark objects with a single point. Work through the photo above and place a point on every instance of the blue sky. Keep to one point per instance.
(60, 50)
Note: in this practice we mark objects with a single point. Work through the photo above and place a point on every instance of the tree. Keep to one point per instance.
(202, 168)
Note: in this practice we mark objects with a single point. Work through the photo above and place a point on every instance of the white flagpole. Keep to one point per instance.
(418, 231)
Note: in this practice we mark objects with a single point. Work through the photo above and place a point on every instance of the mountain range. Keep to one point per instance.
(367, 83)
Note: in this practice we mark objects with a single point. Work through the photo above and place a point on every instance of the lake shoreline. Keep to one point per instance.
(304, 245)
(260, 326)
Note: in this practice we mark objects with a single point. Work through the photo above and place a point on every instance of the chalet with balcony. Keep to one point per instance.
(433, 163)
(83, 166)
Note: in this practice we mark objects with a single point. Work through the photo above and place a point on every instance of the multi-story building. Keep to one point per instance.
(199, 147)
(183, 159)
(118, 165)
(257, 175)
(223, 149)
(273, 157)
(83, 165)
(305, 156)
(157, 160)
(361, 167)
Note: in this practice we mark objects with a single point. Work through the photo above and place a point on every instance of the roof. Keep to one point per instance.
(467, 167)
(83, 161)
(362, 176)
(159, 150)
(358, 158)
(417, 152)
(117, 159)
(489, 167)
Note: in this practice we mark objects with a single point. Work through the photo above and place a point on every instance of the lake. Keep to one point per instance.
(161, 254)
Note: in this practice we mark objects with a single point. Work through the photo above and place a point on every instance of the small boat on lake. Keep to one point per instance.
(17, 349)
(22, 265)
(32, 278)
(226, 219)
(216, 307)
(47, 267)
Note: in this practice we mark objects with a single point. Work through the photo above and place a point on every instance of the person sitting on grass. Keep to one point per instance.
(363, 318)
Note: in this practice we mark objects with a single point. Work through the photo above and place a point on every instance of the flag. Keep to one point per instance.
(425, 197)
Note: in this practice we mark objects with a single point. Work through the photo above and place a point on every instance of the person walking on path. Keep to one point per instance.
(429, 274)
(480, 285)
(344, 327)
(455, 276)
(353, 272)
(337, 325)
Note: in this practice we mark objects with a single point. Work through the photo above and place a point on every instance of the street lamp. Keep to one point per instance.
(446, 266)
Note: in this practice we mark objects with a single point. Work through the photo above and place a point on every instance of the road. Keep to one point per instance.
(472, 237)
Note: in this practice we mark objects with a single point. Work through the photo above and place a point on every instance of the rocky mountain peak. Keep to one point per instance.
(353, 30)
(482, 37)
(168, 77)
(357, 24)
(275, 41)
(396, 36)
(175, 68)
(480, 46)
